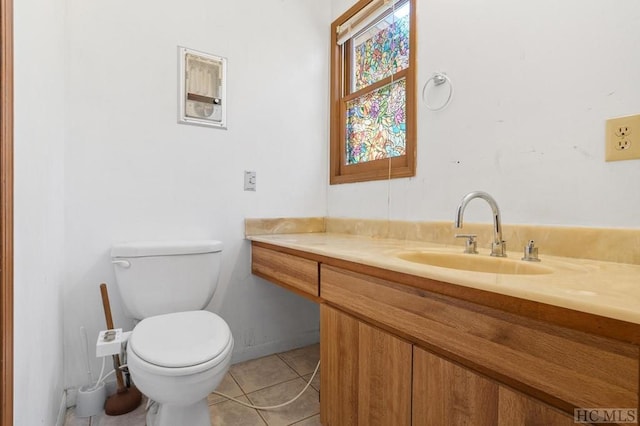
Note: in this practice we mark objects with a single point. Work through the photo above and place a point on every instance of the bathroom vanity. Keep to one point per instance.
(408, 343)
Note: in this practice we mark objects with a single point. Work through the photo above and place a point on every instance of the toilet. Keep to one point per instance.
(177, 353)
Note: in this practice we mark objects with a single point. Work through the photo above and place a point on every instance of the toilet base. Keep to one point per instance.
(171, 415)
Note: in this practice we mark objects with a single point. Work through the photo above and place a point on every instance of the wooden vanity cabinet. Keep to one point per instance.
(562, 367)
(365, 375)
(371, 377)
(398, 354)
(445, 393)
(516, 409)
(294, 273)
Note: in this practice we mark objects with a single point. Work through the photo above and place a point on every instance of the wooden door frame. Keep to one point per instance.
(6, 212)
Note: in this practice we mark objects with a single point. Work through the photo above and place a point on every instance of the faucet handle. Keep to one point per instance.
(531, 252)
(471, 245)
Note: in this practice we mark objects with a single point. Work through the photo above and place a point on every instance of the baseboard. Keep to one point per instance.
(252, 352)
(71, 395)
(62, 411)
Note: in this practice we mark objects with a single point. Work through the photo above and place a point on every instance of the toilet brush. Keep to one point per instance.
(126, 399)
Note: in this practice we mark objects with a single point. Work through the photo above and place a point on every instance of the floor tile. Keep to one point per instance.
(135, 418)
(70, 419)
(306, 406)
(316, 380)
(230, 413)
(228, 386)
(311, 421)
(260, 373)
(302, 360)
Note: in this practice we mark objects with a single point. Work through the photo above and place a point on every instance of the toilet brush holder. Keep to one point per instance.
(90, 400)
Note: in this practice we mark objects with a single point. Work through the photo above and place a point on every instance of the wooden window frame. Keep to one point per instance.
(388, 168)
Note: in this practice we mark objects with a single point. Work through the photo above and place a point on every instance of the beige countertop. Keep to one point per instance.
(603, 288)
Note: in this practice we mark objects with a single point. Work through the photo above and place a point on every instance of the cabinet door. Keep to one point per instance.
(517, 409)
(447, 394)
(339, 368)
(365, 375)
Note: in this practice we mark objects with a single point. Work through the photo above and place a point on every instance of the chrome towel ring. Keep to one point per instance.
(438, 79)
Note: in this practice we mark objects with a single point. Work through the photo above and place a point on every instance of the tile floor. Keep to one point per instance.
(265, 381)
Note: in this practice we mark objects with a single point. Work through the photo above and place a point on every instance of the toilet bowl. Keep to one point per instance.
(176, 360)
(178, 353)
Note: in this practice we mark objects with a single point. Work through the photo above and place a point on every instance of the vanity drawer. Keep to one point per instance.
(291, 272)
(564, 367)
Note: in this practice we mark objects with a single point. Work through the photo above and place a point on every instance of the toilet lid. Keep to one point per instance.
(180, 339)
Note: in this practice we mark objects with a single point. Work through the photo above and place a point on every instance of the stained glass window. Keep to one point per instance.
(376, 124)
(373, 85)
(382, 50)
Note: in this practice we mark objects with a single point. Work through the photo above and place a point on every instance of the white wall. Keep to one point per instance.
(38, 213)
(534, 83)
(133, 173)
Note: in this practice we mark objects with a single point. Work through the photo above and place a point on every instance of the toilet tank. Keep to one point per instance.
(162, 277)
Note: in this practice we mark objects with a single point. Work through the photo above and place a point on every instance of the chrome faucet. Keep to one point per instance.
(498, 246)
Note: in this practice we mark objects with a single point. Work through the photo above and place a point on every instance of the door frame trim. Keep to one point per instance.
(6, 212)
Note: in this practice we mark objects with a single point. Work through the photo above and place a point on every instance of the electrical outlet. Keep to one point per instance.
(623, 144)
(622, 131)
(622, 140)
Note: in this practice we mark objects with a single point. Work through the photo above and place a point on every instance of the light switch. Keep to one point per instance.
(249, 180)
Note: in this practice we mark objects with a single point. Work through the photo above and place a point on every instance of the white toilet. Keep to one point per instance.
(177, 354)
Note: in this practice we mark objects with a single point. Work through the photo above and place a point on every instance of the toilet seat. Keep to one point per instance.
(182, 342)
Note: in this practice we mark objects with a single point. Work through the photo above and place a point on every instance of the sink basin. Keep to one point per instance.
(476, 263)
